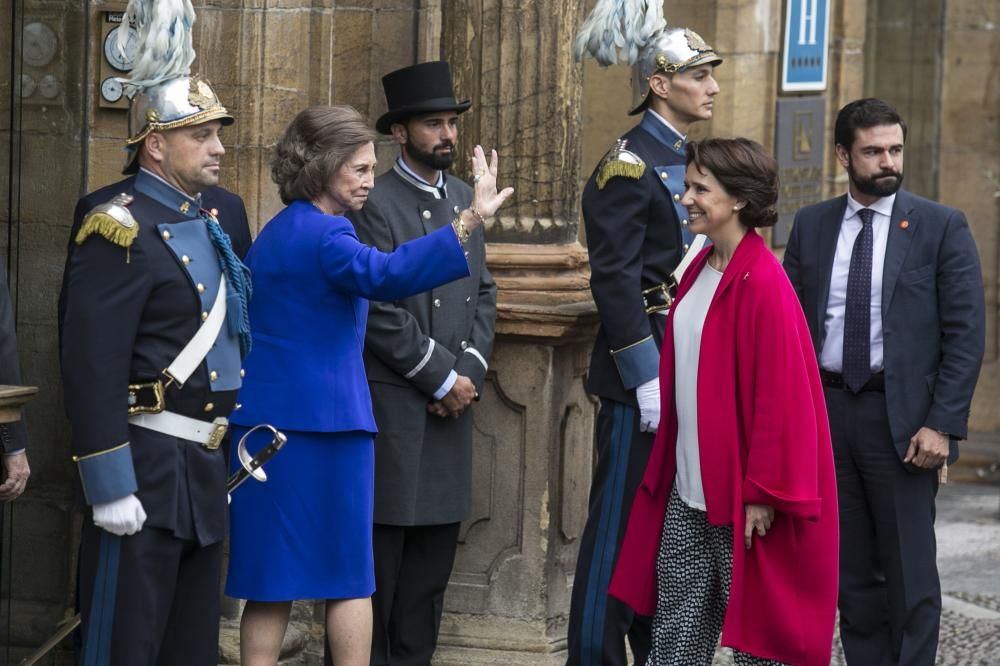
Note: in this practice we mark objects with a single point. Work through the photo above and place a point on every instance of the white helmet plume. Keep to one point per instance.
(164, 50)
(619, 29)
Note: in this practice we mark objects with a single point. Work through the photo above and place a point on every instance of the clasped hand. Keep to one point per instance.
(461, 395)
(16, 472)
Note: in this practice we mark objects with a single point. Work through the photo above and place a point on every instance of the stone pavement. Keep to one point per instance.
(968, 531)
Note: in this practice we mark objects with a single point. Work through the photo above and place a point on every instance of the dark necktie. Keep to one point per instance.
(857, 311)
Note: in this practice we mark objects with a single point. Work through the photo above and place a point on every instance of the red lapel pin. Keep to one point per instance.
(905, 224)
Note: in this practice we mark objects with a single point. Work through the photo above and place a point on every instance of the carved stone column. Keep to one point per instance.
(508, 599)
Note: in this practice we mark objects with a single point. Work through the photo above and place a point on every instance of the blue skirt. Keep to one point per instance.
(306, 533)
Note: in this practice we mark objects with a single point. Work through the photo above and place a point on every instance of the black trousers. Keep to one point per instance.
(412, 566)
(166, 606)
(890, 594)
(599, 623)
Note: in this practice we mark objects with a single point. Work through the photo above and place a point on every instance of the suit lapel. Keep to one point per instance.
(897, 244)
(829, 231)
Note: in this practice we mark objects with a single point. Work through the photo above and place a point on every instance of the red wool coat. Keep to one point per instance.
(764, 438)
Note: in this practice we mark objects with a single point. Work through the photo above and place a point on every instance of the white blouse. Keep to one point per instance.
(689, 319)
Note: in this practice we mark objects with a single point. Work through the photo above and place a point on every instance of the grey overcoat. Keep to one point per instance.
(423, 462)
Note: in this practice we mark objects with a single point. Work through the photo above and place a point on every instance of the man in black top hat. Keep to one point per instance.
(426, 358)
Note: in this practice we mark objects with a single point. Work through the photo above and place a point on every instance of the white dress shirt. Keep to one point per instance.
(832, 356)
(689, 320)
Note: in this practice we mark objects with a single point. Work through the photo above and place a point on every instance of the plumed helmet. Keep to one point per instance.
(164, 94)
(636, 32)
(672, 50)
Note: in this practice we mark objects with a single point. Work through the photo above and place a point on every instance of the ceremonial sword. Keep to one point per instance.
(250, 466)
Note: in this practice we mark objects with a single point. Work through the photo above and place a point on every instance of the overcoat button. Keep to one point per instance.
(427, 215)
(437, 302)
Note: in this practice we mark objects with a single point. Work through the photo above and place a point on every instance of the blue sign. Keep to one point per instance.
(807, 37)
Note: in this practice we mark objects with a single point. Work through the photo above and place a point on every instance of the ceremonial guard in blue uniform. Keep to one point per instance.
(636, 238)
(152, 328)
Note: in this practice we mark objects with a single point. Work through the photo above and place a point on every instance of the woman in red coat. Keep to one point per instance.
(734, 527)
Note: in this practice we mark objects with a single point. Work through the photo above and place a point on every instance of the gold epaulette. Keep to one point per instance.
(113, 220)
(619, 162)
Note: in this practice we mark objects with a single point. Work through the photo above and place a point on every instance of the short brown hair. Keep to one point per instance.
(746, 171)
(315, 145)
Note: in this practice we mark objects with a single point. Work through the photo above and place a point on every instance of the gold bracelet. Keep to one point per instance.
(479, 216)
(458, 224)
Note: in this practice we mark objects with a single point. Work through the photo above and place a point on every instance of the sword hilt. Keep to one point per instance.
(251, 466)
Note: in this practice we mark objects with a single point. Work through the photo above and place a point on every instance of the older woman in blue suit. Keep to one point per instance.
(306, 533)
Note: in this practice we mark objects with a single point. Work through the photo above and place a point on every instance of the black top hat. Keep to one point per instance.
(422, 88)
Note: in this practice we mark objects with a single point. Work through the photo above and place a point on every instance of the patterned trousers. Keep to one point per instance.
(693, 571)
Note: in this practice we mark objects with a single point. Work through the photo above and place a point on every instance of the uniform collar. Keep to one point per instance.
(164, 193)
(663, 131)
(439, 190)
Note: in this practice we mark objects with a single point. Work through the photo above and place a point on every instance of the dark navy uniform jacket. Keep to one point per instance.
(125, 314)
(13, 436)
(636, 236)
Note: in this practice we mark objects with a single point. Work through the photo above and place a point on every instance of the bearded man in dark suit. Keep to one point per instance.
(892, 289)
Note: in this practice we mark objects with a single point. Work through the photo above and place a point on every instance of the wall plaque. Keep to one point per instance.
(800, 150)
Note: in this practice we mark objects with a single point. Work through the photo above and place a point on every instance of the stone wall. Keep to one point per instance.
(552, 120)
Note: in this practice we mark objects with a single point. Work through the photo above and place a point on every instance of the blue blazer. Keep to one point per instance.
(312, 280)
(933, 309)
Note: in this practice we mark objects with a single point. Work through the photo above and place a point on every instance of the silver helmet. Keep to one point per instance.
(164, 94)
(179, 102)
(636, 32)
(672, 50)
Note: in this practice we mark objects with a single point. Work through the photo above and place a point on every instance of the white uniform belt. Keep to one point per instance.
(197, 348)
(207, 433)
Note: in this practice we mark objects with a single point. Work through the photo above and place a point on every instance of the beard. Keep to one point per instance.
(431, 159)
(882, 184)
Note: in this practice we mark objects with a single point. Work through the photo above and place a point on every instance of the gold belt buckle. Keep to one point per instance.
(135, 392)
(220, 426)
(668, 300)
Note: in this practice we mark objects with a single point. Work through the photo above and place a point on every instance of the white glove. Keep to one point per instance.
(121, 516)
(648, 396)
